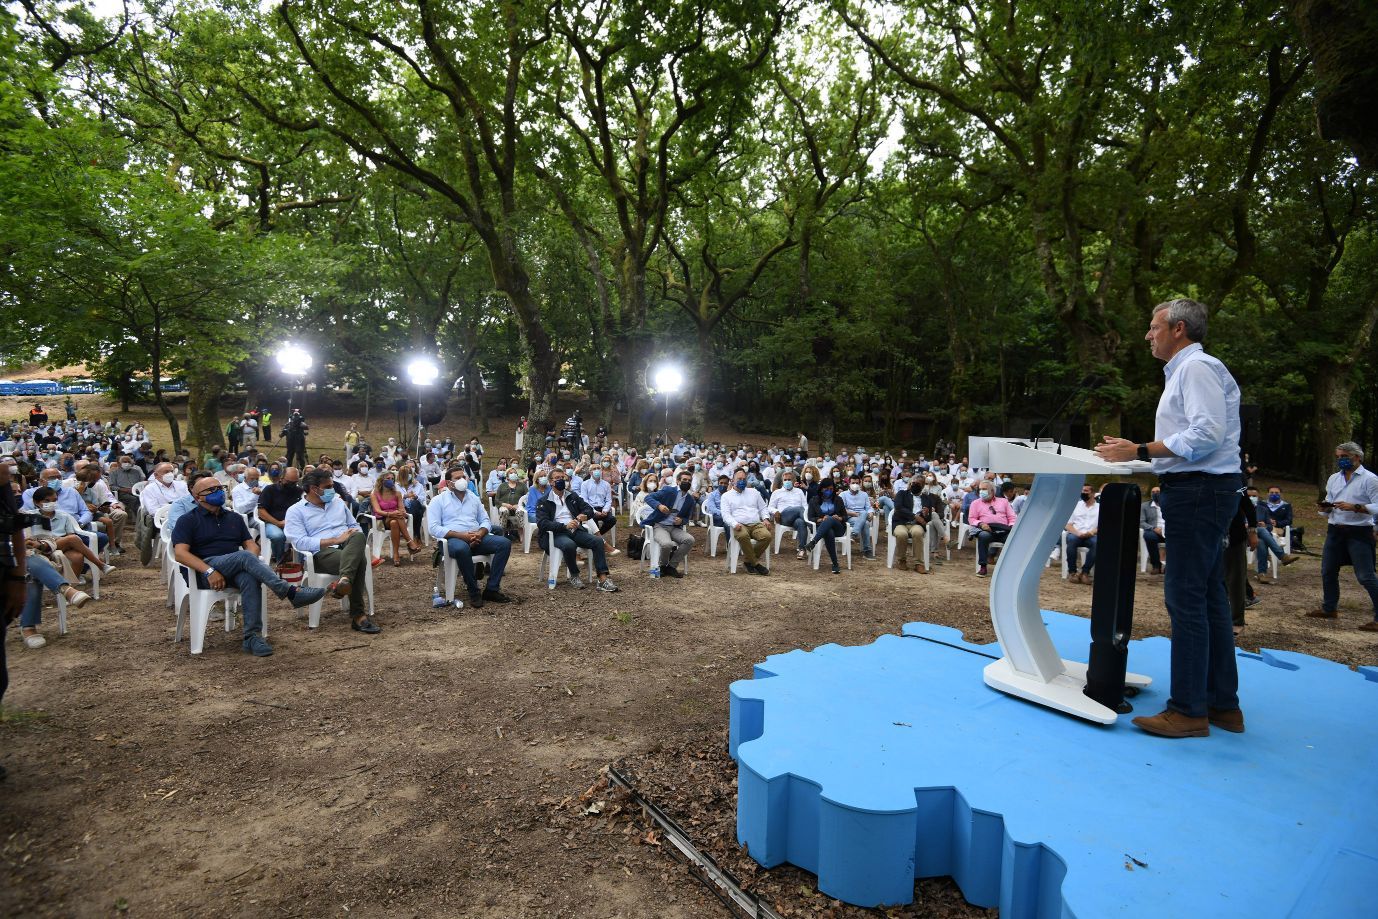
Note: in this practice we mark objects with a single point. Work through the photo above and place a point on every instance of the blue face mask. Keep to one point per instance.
(789, 486)
(389, 483)
(722, 489)
(239, 477)
(1345, 463)
(1275, 499)
(827, 492)
(328, 495)
(215, 498)
(740, 484)
(56, 485)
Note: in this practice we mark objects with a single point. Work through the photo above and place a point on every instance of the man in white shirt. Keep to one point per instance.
(163, 488)
(744, 511)
(1196, 455)
(789, 507)
(1081, 534)
(245, 494)
(323, 526)
(1351, 500)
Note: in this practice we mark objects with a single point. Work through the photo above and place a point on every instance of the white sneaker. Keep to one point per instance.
(75, 598)
(107, 569)
(607, 586)
(34, 641)
(614, 552)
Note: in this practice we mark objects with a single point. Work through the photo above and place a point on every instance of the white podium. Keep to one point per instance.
(1031, 667)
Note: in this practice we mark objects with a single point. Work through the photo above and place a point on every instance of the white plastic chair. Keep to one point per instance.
(197, 603)
(1081, 554)
(734, 551)
(449, 569)
(843, 542)
(137, 488)
(781, 530)
(549, 571)
(167, 565)
(715, 533)
(891, 543)
(650, 554)
(313, 578)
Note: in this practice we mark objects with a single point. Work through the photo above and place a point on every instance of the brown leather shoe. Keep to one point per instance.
(1323, 614)
(1289, 558)
(1369, 627)
(1231, 720)
(1169, 723)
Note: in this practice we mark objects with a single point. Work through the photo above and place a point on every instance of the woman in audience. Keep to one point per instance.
(828, 512)
(812, 480)
(389, 507)
(55, 531)
(639, 509)
(413, 489)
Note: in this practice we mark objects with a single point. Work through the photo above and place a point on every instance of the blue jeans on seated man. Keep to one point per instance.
(42, 574)
(1267, 542)
(1080, 542)
(245, 571)
(276, 537)
(1205, 672)
(794, 517)
(463, 554)
(566, 543)
(861, 524)
(999, 532)
(1154, 543)
(1345, 545)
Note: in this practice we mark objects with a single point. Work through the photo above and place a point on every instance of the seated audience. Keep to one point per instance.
(563, 513)
(789, 507)
(1081, 534)
(748, 519)
(830, 518)
(321, 524)
(671, 509)
(218, 549)
(992, 519)
(456, 515)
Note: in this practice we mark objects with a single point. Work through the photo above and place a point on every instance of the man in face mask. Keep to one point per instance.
(712, 502)
(323, 526)
(671, 508)
(562, 514)
(1081, 534)
(124, 475)
(216, 546)
(788, 507)
(858, 507)
(273, 503)
(246, 492)
(457, 516)
(746, 515)
(597, 494)
(992, 518)
(1351, 501)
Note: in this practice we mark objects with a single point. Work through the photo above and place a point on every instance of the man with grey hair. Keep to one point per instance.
(1196, 455)
(1351, 500)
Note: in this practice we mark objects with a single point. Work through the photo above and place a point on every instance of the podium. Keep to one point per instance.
(1030, 667)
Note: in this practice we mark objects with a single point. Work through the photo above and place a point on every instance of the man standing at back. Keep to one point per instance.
(1196, 456)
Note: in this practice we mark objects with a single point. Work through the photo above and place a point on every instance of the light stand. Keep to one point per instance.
(295, 362)
(668, 379)
(422, 371)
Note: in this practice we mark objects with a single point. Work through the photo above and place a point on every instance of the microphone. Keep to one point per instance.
(1088, 382)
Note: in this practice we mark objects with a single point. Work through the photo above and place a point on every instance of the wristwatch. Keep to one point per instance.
(1143, 453)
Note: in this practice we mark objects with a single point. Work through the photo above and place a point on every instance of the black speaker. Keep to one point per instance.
(1112, 596)
(399, 405)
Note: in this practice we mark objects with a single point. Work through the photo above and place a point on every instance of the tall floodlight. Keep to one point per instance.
(295, 362)
(668, 379)
(422, 371)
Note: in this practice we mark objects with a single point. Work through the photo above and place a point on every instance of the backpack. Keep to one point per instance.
(636, 545)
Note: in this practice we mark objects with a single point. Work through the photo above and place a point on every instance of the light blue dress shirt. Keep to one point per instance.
(306, 524)
(1362, 488)
(1198, 415)
(447, 512)
(176, 509)
(597, 493)
(69, 500)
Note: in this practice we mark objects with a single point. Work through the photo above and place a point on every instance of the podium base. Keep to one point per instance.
(1063, 693)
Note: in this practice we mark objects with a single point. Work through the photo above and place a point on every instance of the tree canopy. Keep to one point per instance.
(886, 220)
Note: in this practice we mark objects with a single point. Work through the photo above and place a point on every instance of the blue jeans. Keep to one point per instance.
(1205, 672)
(1266, 542)
(275, 536)
(42, 574)
(463, 555)
(1154, 543)
(566, 543)
(1080, 542)
(794, 517)
(1352, 546)
(861, 524)
(415, 508)
(246, 571)
(827, 531)
(999, 532)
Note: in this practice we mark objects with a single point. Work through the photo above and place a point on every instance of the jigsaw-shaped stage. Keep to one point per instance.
(874, 765)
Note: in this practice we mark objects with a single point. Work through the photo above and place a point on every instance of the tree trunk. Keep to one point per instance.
(368, 401)
(163, 407)
(701, 382)
(1332, 386)
(126, 387)
(203, 410)
(632, 357)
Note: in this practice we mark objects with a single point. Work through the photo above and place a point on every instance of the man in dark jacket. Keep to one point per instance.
(671, 508)
(564, 514)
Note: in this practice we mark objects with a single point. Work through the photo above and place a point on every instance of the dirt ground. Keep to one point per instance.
(436, 769)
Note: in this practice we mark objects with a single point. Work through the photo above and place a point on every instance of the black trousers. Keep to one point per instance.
(296, 451)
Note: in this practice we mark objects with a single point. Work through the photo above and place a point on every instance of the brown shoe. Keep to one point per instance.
(1231, 720)
(1323, 614)
(339, 589)
(1074, 578)
(1289, 558)
(1169, 723)
(1369, 627)
(902, 565)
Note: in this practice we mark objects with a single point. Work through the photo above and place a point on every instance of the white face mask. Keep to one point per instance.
(166, 478)
(48, 507)
(854, 488)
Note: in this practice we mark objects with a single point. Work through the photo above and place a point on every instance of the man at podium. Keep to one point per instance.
(1196, 455)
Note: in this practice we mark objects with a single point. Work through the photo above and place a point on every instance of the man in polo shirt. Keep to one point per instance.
(456, 515)
(321, 524)
(273, 503)
(217, 547)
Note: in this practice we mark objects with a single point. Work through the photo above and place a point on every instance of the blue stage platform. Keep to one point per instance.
(874, 765)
